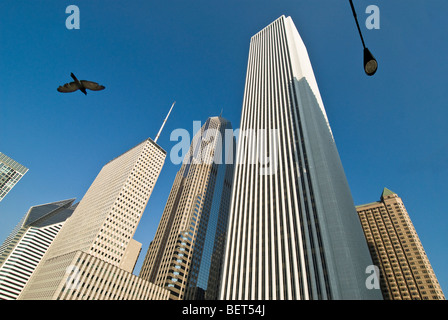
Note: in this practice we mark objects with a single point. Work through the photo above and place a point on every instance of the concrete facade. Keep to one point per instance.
(102, 225)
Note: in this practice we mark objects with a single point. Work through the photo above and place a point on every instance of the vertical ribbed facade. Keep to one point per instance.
(405, 270)
(185, 256)
(10, 173)
(293, 229)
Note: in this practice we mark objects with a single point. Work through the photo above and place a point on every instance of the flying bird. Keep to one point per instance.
(81, 85)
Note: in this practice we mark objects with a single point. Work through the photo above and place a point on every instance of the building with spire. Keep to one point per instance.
(10, 173)
(94, 254)
(293, 229)
(23, 249)
(186, 254)
(404, 268)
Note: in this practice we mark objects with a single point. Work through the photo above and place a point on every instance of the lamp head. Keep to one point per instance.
(370, 64)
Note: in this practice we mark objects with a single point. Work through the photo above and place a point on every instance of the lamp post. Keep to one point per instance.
(370, 63)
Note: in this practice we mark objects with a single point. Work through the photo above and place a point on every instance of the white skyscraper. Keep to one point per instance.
(22, 251)
(94, 253)
(293, 229)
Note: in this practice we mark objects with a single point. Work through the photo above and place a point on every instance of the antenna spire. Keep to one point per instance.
(158, 134)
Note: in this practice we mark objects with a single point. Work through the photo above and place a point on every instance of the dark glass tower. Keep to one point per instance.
(10, 173)
(186, 253)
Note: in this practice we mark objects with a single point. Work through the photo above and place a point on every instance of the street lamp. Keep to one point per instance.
(370, 63)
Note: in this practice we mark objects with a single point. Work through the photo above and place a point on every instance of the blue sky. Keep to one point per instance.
(390, 129)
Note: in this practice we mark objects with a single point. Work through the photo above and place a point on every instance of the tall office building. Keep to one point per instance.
(94, 254)
(186, 253)
(22, 251)
(10, 173)
(293, 229)
(405, 271)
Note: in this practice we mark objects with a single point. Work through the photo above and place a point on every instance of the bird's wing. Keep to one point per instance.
(92, 85)
(69, 87)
